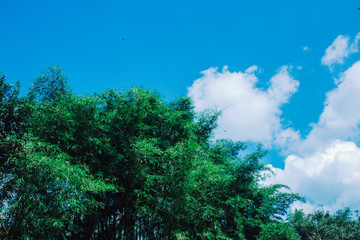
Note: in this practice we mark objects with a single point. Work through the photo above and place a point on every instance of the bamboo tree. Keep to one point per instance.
(125, 165)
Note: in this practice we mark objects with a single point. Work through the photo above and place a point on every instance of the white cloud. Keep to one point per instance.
(340, 118)
(339, 50)
(248, 113)
(329, 177)
(287, 139)
(306, 49)
(325, 166)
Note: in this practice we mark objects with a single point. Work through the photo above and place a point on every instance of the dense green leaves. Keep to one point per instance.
(126, 165)
(49, 192)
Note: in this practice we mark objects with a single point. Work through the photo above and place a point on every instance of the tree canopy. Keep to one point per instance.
(127, 165)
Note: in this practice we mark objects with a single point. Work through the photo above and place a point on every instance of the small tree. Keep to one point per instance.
(323, 225)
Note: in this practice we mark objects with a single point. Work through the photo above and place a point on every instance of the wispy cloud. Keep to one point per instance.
(340, 49)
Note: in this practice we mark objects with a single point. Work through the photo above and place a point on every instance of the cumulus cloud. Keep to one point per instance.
(328, 177)
(248, 112)
(339, 50)
(325, 166)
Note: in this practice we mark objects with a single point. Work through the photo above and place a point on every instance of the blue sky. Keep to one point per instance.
(165, 45)
(168, 43)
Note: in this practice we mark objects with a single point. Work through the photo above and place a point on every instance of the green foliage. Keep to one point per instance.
(51, 85)
(278, 230)
(323, 225)
(126, 165)
(50, 192)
